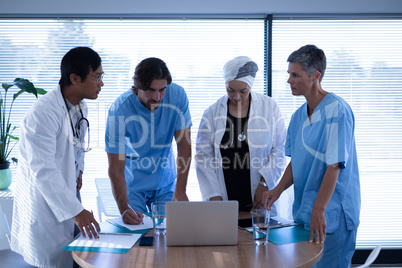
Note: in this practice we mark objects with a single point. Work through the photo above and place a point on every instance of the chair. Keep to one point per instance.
(8, 257)
(105, 200)
(371, 258)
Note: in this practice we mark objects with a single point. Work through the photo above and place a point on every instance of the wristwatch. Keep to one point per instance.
(263, 183)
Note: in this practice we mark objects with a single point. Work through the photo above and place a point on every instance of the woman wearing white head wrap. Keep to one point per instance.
(242, 69)
(240, 142)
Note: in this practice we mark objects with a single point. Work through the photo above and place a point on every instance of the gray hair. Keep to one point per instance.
(311, 58)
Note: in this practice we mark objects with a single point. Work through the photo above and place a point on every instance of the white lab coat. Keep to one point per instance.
(45, 189)
(266, 136)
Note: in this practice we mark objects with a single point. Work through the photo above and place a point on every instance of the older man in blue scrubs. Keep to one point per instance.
(323, 167)
(139, 133)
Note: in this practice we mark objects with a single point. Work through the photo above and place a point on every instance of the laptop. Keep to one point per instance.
(201, 223)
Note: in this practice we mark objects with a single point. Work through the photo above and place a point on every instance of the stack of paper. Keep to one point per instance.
(112, 243)
(115, 237)
(147, 224)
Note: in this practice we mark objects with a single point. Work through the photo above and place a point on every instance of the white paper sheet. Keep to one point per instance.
(120, 241)
(147, 224)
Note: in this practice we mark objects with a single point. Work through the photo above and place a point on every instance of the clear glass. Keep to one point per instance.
(159, 217)
(260, 218)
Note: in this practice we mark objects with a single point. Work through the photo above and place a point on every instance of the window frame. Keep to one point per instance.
(269, 20)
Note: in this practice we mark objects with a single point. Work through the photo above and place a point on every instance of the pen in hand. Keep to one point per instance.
(130, 208)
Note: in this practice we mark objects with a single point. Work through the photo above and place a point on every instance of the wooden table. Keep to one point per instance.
(244, 254)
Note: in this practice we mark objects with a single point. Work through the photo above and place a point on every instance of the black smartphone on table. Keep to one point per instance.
(146, 241)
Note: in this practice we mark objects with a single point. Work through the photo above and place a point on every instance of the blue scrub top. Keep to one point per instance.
(314, 145)
(146, 137)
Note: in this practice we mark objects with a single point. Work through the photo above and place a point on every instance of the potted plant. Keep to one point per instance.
(7, 139)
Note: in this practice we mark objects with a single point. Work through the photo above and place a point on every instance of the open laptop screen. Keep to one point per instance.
(202, 223)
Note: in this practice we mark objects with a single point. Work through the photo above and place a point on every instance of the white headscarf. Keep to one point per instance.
(241, 68)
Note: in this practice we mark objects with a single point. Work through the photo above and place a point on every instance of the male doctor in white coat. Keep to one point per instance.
(50, 166)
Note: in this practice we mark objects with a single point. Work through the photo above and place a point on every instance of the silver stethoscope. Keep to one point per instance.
(76, 130)
(242, 136)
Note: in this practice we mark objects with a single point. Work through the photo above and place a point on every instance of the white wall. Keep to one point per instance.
(144, 7)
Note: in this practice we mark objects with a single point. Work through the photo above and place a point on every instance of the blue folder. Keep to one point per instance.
(286, 235)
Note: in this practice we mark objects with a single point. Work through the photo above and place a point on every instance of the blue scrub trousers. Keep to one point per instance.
(339, 247)
(142, 201)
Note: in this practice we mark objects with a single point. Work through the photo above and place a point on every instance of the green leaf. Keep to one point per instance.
(25, 85)
(13, 137)
(41, 91)
(18, 93)
(15, 160)
(6, 86)
(6, 129)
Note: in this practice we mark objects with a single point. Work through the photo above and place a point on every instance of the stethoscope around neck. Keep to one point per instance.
(77, 129)
(242, 136)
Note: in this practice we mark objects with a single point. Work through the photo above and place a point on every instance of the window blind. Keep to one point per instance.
(364, 66)
(194, 51)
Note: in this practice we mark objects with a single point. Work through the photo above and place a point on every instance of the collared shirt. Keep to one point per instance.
(75, 116)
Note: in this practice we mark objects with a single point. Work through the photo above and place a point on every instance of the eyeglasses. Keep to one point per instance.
(98, 79)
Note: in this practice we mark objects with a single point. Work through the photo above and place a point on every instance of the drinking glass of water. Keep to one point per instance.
(159, 217)
(260, 218)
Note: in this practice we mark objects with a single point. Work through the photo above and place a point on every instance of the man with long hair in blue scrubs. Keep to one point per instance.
(142, 123)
